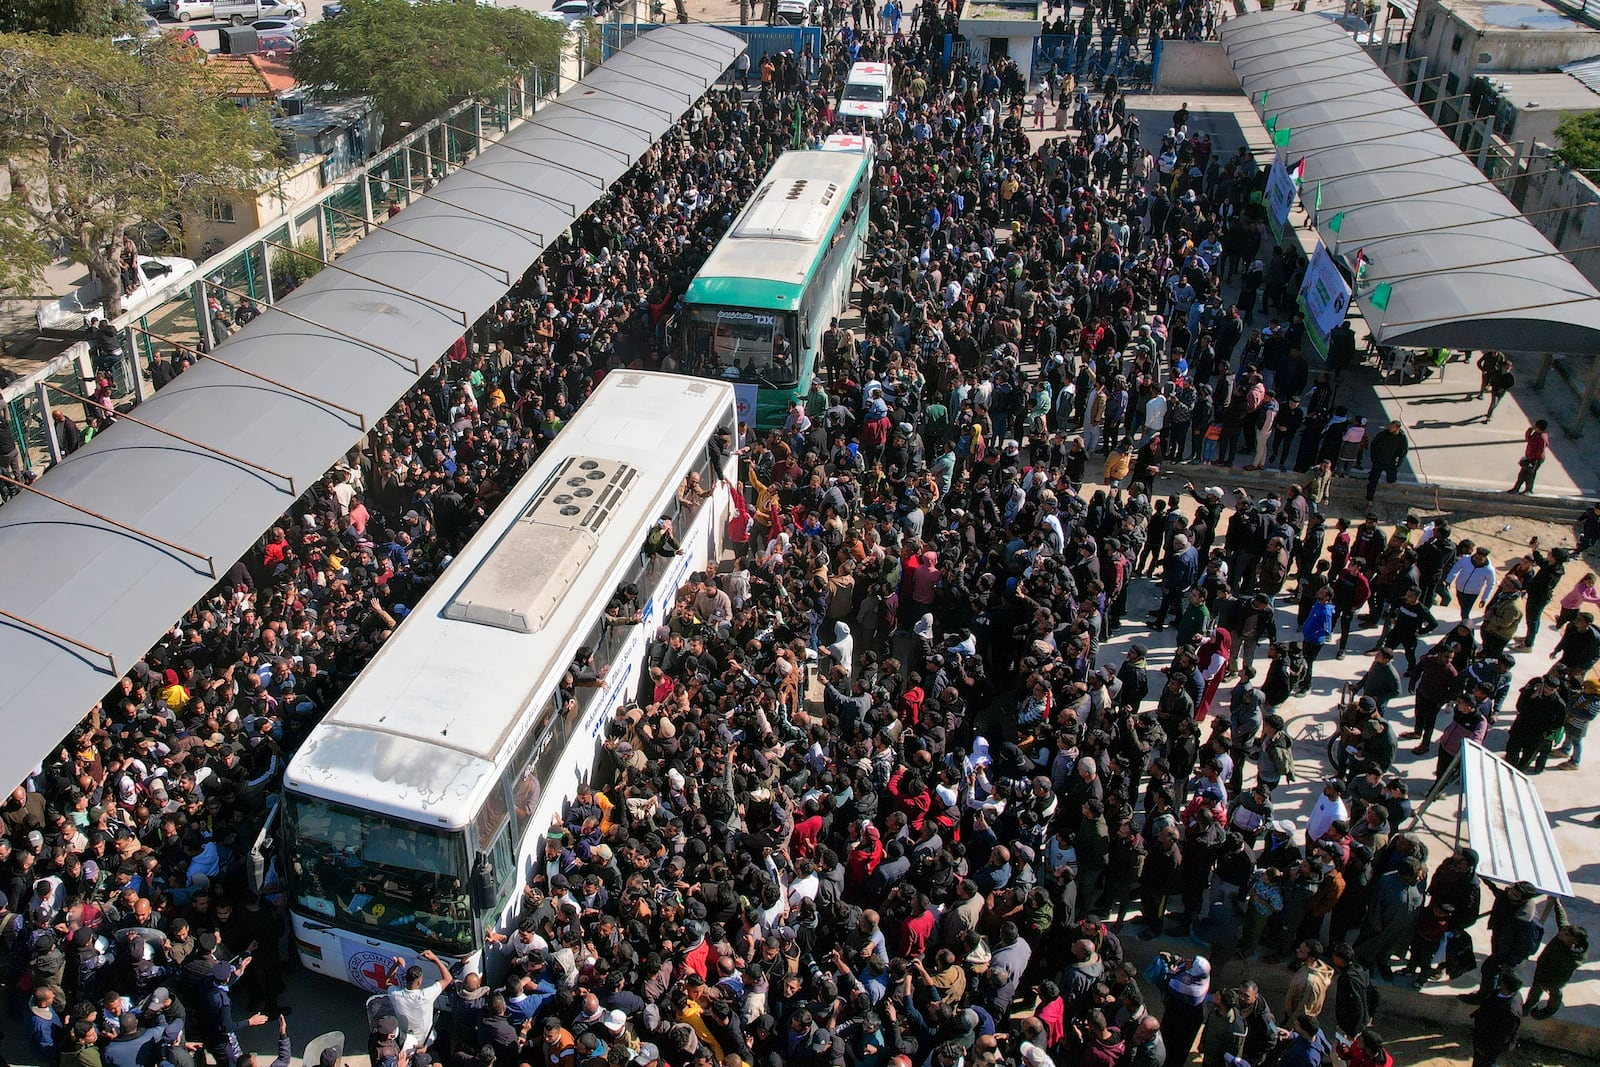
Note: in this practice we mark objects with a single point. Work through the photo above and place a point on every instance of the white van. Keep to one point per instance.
(853, 142)
(868, 92)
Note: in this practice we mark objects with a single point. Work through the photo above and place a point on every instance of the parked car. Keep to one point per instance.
(242, 12)
(332, 11)
(189, 10)
(184, 35)
(279, 43)
(156, 8)
(794, 12)
(279, 24)
(577, 10)
(66, 317)
(149, 30)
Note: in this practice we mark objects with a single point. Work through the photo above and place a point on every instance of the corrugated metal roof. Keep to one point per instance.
(1407, 8)
(1463, 268)
(353, 337)
(1506, 824)
(1585, 70)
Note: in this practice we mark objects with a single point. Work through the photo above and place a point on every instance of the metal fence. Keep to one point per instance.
(1093, 58)
(760, 40)
(258, 266)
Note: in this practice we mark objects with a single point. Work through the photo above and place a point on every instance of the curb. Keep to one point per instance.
(1350, 493)
(1437, 1009)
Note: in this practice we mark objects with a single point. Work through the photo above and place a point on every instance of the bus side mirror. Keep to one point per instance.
(485, 884)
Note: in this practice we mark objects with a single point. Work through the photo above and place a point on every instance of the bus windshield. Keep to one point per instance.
(379, 876)
(747, 346)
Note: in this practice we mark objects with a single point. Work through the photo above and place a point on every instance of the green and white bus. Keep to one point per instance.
(756, 312)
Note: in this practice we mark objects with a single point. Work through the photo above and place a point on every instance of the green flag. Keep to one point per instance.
(797, 138)
(1272, 123)
(1280, 138)
(1337, 222)
(1380, 296)
(1317, 204)
(1264, 93)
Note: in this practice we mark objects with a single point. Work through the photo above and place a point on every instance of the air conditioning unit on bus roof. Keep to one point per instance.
(801, 214)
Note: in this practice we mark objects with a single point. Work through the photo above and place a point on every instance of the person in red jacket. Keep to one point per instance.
(1366, 1051)
(803, 840)
(911, 796)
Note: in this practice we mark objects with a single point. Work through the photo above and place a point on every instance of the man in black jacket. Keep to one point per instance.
(1352, 991)
(1496, 1021)
(1386, 453)
(1515, 931)
(1261, 1029)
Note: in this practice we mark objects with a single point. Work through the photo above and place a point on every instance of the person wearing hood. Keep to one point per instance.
(1078, 980)
(45, 1028)
(1308, 988)
(842, 651)
(48, 966)
(1184, 998)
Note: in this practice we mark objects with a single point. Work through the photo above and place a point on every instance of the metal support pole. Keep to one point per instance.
(252, 464)
(266, 274)
(477, 126)
(1546, 361)
(366, 202)
(324, 238)
(1422, 79)
(142, 389)
(405, 170)
(56, 635)
(418, 297)
(197, 293)
(1590, 388)
(211, 563)
(42, 391)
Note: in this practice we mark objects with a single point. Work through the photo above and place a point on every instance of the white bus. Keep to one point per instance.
(415, 810)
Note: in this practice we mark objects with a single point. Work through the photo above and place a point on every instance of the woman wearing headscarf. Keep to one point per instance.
(866, 852)
(1184, 1003)
(1213, 662)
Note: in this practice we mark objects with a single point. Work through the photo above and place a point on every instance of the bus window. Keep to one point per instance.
(490, 818)
(366, 871)
(751, 346)
(622, 614)
(525, 787)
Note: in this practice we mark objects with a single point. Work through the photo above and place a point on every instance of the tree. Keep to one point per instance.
(1579, 137)
(92, 18)
(417, 60)
(98, 139)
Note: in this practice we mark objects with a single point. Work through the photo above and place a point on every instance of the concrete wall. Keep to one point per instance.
(1195, 66)
(1548, 187)
(1490, 48)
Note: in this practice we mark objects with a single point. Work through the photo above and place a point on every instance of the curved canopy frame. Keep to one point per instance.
(138, 525)
(1464, 268)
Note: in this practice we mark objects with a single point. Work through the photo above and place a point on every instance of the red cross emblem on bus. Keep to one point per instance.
(380, 976)
(374, 969)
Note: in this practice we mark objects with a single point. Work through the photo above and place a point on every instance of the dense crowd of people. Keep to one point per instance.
(937, 865)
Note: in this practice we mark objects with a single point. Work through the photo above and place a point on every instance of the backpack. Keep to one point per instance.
(1505, 380)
